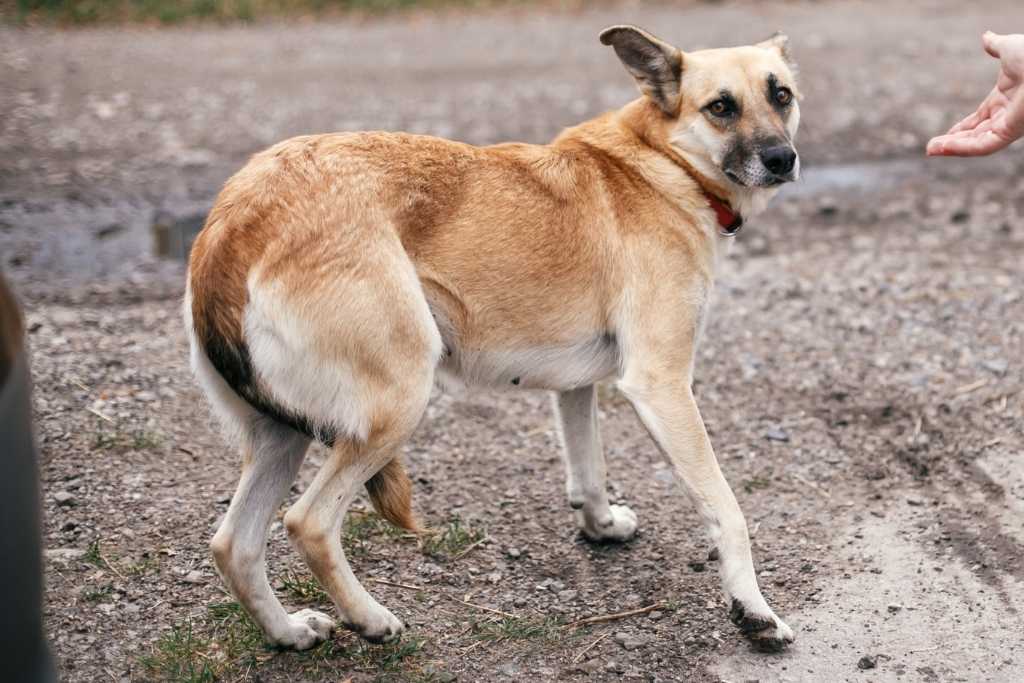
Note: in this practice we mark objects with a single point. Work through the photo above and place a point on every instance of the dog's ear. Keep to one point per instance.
(656, 65)
(778, 43)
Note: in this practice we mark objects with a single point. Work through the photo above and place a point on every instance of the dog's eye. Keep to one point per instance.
(784, 96)
(719, 108)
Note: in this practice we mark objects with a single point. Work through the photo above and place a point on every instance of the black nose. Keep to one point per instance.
(779, 159)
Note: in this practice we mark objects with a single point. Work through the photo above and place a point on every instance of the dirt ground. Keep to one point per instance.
(860, 374)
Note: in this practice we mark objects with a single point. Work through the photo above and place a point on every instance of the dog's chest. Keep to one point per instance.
(555, 367)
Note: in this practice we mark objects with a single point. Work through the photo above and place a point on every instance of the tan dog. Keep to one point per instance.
(338, 274)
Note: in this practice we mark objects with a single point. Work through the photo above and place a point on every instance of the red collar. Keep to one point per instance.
(729, 222)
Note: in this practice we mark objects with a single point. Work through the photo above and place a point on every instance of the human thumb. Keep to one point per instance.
(992, 42)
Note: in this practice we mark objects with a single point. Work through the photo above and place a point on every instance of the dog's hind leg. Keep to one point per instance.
(585, 469)
(272, 455)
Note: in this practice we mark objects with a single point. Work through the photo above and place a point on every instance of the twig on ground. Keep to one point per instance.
(101, 415)
(407, 586)
(480, 607)
(810, 484)
(973, 386)
(466, 550)
(110, 566)
(588, 648)
(613, 617)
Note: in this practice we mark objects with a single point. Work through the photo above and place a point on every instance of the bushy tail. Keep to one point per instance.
(391, 494)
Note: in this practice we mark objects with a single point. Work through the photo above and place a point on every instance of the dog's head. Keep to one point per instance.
(730, 113)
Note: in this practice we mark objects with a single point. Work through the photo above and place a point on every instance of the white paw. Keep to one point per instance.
(378, 626)
(765, 631)
(618, 525)
(306, 629)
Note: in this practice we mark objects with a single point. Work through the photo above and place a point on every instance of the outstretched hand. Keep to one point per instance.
(999, 120)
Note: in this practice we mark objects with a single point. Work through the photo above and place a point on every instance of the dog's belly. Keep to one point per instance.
(552, 367)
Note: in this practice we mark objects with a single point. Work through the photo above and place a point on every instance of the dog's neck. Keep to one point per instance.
(644, 127)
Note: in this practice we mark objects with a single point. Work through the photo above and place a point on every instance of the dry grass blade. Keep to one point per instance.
(588, 648)
(101, 415)
(469, 548)
(973, 386)
(399, 585)
(613, 617)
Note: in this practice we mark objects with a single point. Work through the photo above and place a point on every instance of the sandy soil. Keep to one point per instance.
(860, 375)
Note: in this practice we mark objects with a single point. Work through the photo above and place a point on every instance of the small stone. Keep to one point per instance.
(510, 669)
(494, 577)
(997, 366)
(64, 498)
(628, 641)
(894, 607)
(567, 595)
(194, 576)
(696, 566)
(514, 553)
(916, 502)
(867, 662)
(713, 555)
(64, 554)
(807, 568)
(776, 434)
(520, 602)
(655, 615)
(615, 668)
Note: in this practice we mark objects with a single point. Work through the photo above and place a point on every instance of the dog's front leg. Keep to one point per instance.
(585, 469)
(669, 411)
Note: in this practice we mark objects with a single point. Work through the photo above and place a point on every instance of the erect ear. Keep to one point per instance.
(778, 43)
(656, 66)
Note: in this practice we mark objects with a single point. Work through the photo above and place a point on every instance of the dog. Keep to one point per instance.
(337, 276)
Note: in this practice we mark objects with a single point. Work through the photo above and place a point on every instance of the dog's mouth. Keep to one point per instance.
(734, 177)
(768, 180)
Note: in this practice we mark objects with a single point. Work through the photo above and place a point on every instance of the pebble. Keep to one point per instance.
(998, 366)
(567, 595)
(510, 669)
(64, 498)
(64, 554)
(514, 553)
(494, 577)
(894, 607)
(776, 434)
(628, 641)
(867, 662)
(194, 576)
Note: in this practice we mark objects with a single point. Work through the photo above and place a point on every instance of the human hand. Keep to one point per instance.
(999, 120)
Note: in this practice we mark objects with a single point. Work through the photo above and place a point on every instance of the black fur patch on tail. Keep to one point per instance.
(235, 366)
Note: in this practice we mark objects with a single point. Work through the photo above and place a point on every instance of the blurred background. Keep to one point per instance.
(860, 375)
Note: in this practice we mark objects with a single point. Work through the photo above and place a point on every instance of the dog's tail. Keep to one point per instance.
(391, 494)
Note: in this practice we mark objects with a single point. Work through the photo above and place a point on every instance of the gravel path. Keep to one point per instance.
(860, 375)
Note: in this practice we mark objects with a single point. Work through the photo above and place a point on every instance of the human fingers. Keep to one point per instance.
(966, 144)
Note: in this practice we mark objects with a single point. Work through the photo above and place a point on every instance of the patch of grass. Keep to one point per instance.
(360, 527)
(225, 644)
(113, 439)
(754, 483)
(98, 594)
(451, 540)
(518, 628)
(144, 566)
(93, 555)
(304, 588)
(179, 656)
(175, 11)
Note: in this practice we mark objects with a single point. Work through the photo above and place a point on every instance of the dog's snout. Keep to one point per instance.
(779, 159)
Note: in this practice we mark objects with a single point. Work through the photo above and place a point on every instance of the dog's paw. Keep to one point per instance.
(380, 626)
(766, 632)
(307, 629)
(618, 525)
